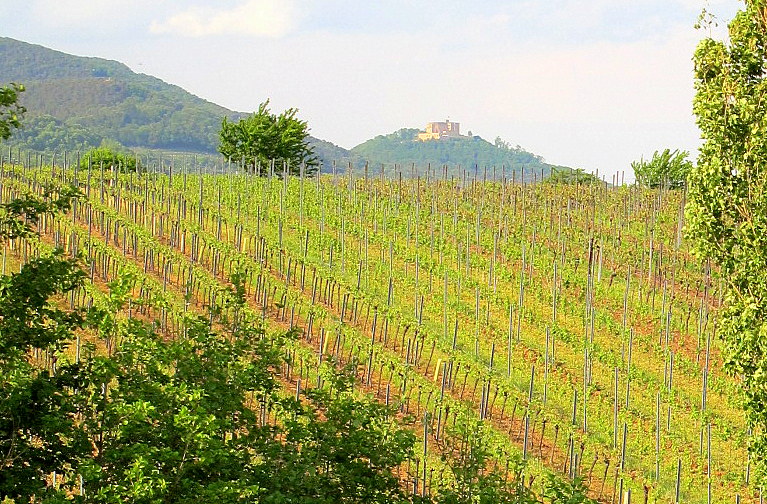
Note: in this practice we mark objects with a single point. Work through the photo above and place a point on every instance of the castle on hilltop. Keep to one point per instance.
(439, 130)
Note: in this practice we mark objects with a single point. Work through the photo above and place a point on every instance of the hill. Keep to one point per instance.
(77, 102)
(465, 152)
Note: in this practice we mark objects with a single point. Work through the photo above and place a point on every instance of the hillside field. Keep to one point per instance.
(571, 320)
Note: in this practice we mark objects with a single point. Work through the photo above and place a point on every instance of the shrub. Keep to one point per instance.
(108, 158)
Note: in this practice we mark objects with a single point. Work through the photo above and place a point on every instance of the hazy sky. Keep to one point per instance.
(587, 83)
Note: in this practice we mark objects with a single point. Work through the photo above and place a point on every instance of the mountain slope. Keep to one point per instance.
(103, 99)
(77, 102)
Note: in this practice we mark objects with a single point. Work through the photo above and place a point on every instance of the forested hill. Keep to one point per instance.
(467, 152)
(74, 102)
(77, 102)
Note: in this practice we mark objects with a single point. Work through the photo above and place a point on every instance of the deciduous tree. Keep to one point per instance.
(109, 157)
(727, 199)
(263, 137)
(666, 169)
(38, 431)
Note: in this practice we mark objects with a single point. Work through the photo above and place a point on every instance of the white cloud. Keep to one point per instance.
(260, 18)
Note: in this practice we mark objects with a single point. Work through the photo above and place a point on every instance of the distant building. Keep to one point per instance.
(438, 130)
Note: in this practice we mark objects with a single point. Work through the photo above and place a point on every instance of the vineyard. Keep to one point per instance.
(570, 321)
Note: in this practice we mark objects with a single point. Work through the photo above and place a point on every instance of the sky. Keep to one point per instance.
(594, 84)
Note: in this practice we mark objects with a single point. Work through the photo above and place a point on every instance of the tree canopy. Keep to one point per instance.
(110, 157)
(10, 109)
(726, 214)
(263, 138)
(666, 169)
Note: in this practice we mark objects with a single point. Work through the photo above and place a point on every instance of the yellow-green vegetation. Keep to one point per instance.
(727, 194)
(564, 329)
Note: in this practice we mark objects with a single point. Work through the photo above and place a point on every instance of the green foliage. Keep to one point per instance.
(19, 216)
(571, 176)
(108, 158)
(45, 133)
(38, 431)
(10, 109)
(355, 443)
(726, 213)
(38, 428)
(175, 424)
(473, 477)
(563, 491)
(666, 169)
(263, 137)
